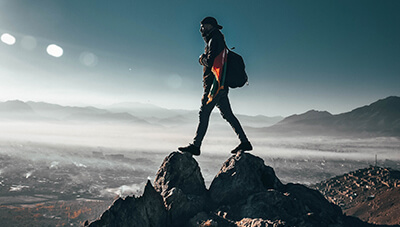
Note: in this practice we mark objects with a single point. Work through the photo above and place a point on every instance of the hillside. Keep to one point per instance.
(381, 118)
(371, 194)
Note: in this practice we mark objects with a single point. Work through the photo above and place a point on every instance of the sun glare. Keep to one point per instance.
(54, 50)
(8, 39)
(88, 59)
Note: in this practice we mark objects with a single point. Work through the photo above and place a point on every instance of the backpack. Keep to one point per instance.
(235, 73)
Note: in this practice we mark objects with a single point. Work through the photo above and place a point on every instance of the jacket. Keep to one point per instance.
(215, 43)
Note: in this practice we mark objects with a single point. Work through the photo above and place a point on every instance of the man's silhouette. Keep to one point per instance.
(215, 93)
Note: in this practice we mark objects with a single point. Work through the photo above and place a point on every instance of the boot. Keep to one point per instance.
(243, 146)
(192, 149)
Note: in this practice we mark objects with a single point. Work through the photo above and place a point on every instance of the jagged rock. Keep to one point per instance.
(180, 170)
(147, 210)
(182, 186)
(241, 176)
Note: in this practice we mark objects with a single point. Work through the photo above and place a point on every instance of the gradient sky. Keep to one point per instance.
(331, 55)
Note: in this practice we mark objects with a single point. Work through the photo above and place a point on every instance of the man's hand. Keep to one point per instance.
(201, 59)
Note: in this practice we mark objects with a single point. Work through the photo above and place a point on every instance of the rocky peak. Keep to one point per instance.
(180, 170)
(245, 192)
(182, 186)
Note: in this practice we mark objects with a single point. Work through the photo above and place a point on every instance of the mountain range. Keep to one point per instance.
(127, 113)
(381, 118)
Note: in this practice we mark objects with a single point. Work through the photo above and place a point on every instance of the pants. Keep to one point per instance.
(221, 101)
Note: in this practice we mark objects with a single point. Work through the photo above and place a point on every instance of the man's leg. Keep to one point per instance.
(226, 111)
(204, 118)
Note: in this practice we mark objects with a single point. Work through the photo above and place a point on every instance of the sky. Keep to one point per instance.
(333, 55)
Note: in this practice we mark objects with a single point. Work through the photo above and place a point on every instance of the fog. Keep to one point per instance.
(88, 148)
(81, 166)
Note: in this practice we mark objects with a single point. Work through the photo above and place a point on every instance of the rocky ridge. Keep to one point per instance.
(245, 193)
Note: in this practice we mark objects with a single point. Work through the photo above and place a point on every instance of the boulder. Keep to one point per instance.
(180, 170)
(241, 176)
(182, 187)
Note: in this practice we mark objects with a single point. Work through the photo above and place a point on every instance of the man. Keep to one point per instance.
(215, 93)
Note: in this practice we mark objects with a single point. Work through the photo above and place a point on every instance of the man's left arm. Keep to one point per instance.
(208, 59)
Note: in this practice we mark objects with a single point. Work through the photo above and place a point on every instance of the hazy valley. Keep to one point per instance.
(56, 156)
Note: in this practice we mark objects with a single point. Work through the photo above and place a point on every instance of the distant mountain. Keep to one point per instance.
(106, 118)
(143, 110)
(60, 112)
(136, 113)
(381, 118)
(258, 121)
(15, 106)
(311, 115)
(176, 117)
(23, 111)
(16, 109)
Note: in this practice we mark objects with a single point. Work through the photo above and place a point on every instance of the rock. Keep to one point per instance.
(241, 176)
(258, 222)
(182, 186)
(299, 206)
(314, 203)
(245, 193)
(147, 210)
(180, 170)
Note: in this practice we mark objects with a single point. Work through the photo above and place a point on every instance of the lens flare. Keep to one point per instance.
(88, 59)
(8, 39)
(55, 51)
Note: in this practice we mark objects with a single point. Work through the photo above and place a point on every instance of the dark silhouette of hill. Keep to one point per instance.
(245, 192)
(381, 118)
